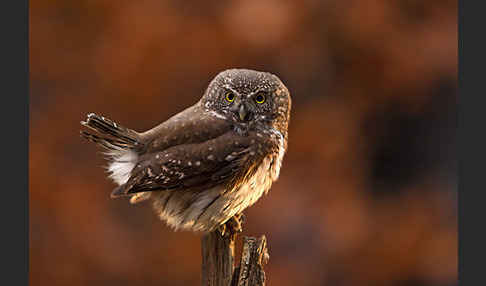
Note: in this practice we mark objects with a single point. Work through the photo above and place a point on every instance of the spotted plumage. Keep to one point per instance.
(209, 162)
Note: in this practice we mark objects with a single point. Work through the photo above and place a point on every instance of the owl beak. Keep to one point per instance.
(243, 113)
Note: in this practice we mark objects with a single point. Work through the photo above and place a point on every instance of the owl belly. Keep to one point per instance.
(206, 210)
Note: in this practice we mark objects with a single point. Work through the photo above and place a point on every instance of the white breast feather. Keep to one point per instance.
(281, 153)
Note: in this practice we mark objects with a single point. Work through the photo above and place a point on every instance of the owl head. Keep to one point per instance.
(249, 98)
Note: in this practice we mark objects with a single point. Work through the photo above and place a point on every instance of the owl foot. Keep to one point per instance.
(233, 225)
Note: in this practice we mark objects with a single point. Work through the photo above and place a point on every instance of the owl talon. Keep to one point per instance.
(241, 218)
(222, 229)
(234, 224)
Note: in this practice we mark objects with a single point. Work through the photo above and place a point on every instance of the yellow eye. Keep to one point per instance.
(230, 97)
(260, 97)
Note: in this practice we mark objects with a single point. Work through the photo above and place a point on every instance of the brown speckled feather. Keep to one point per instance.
(202, 165)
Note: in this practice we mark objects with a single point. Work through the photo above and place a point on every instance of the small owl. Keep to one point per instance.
(206, 164)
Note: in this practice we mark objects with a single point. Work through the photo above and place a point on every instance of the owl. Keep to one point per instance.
(205, 165)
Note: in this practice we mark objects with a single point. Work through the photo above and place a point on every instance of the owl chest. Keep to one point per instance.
(267, 172)
(206, 210)
(216, 205)
(256, 185)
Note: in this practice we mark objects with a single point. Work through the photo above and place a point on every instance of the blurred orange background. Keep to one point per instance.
(367, 191)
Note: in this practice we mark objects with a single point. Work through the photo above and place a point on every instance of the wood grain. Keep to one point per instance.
(218, 267)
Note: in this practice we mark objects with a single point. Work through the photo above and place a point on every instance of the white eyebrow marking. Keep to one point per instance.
(228, 87)
(255, 92)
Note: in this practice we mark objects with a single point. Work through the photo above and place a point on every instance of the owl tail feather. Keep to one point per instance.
(110, 135)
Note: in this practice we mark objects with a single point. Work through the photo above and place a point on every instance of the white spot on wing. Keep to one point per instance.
(215, 114)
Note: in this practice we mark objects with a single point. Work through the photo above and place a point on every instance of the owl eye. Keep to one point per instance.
(230, 97)
(260, 98)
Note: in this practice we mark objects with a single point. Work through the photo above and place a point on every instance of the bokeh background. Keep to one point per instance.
(367, 192)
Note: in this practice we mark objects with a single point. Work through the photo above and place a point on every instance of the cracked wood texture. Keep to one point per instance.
(218, 267)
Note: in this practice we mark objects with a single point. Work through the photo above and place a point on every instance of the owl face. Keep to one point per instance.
(249, 98)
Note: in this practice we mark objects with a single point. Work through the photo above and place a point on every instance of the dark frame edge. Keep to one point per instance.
(15, 143)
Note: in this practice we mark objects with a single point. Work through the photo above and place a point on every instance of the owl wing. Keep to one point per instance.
(198, 166)
(192, 125)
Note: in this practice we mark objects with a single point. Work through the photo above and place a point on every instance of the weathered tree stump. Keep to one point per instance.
(218, 253)
(254, 256)
(218, 268)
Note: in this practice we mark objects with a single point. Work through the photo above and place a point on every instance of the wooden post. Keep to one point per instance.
(254, 256)
(218, 254)
(218, 260)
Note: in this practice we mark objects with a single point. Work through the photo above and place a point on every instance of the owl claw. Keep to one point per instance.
(232, 226)
(222, 229)
(241, 218)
